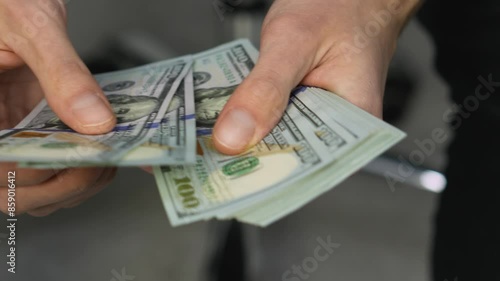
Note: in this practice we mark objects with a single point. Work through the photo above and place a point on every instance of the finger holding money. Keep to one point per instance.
(38, 60)
(34, 33)
(311, 42)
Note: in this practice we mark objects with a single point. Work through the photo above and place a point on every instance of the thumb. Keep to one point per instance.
(70, 90)
(258, 103)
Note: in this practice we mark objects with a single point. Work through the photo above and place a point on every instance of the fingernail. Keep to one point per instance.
(91, 110)
(236, 130)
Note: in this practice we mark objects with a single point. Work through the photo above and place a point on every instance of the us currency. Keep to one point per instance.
(174, 142)
(383, 136)
(139, 97)
(304, 142)
(217, 73)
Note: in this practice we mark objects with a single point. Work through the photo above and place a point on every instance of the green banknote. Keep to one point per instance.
(166, 112)
(381, 137)
(320, 140)
(140, 98)
(174, 141)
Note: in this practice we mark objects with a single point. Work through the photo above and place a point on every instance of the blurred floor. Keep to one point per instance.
(124, 227)
(383, 234)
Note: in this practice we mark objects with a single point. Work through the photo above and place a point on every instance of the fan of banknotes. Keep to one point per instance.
(165, 114)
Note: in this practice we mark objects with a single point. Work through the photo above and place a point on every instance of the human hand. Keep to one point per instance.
(343, 46)
(37, 60)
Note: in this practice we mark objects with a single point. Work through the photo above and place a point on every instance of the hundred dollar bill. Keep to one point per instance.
(340, 111)
(139, 97)
(304, 142)
(217, 73)
(174, 142)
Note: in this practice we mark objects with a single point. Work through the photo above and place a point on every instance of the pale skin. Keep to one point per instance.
(300, 44)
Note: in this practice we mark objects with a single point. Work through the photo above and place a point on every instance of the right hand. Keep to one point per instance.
(37, 60)
(313, 43)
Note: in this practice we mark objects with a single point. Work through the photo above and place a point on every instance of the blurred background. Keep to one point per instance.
(384, 230)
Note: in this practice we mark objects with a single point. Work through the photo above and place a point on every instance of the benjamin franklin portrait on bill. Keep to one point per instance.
(209, 104)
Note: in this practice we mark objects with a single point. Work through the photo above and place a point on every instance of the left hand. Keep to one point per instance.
(37, 60)
(40, 192)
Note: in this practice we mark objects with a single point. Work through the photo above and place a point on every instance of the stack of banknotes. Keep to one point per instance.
(166, 112)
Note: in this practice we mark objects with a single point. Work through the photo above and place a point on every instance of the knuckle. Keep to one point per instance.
(265, 88)
(277, 113)
(267, 98)
(65, 69)
(26, 19)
